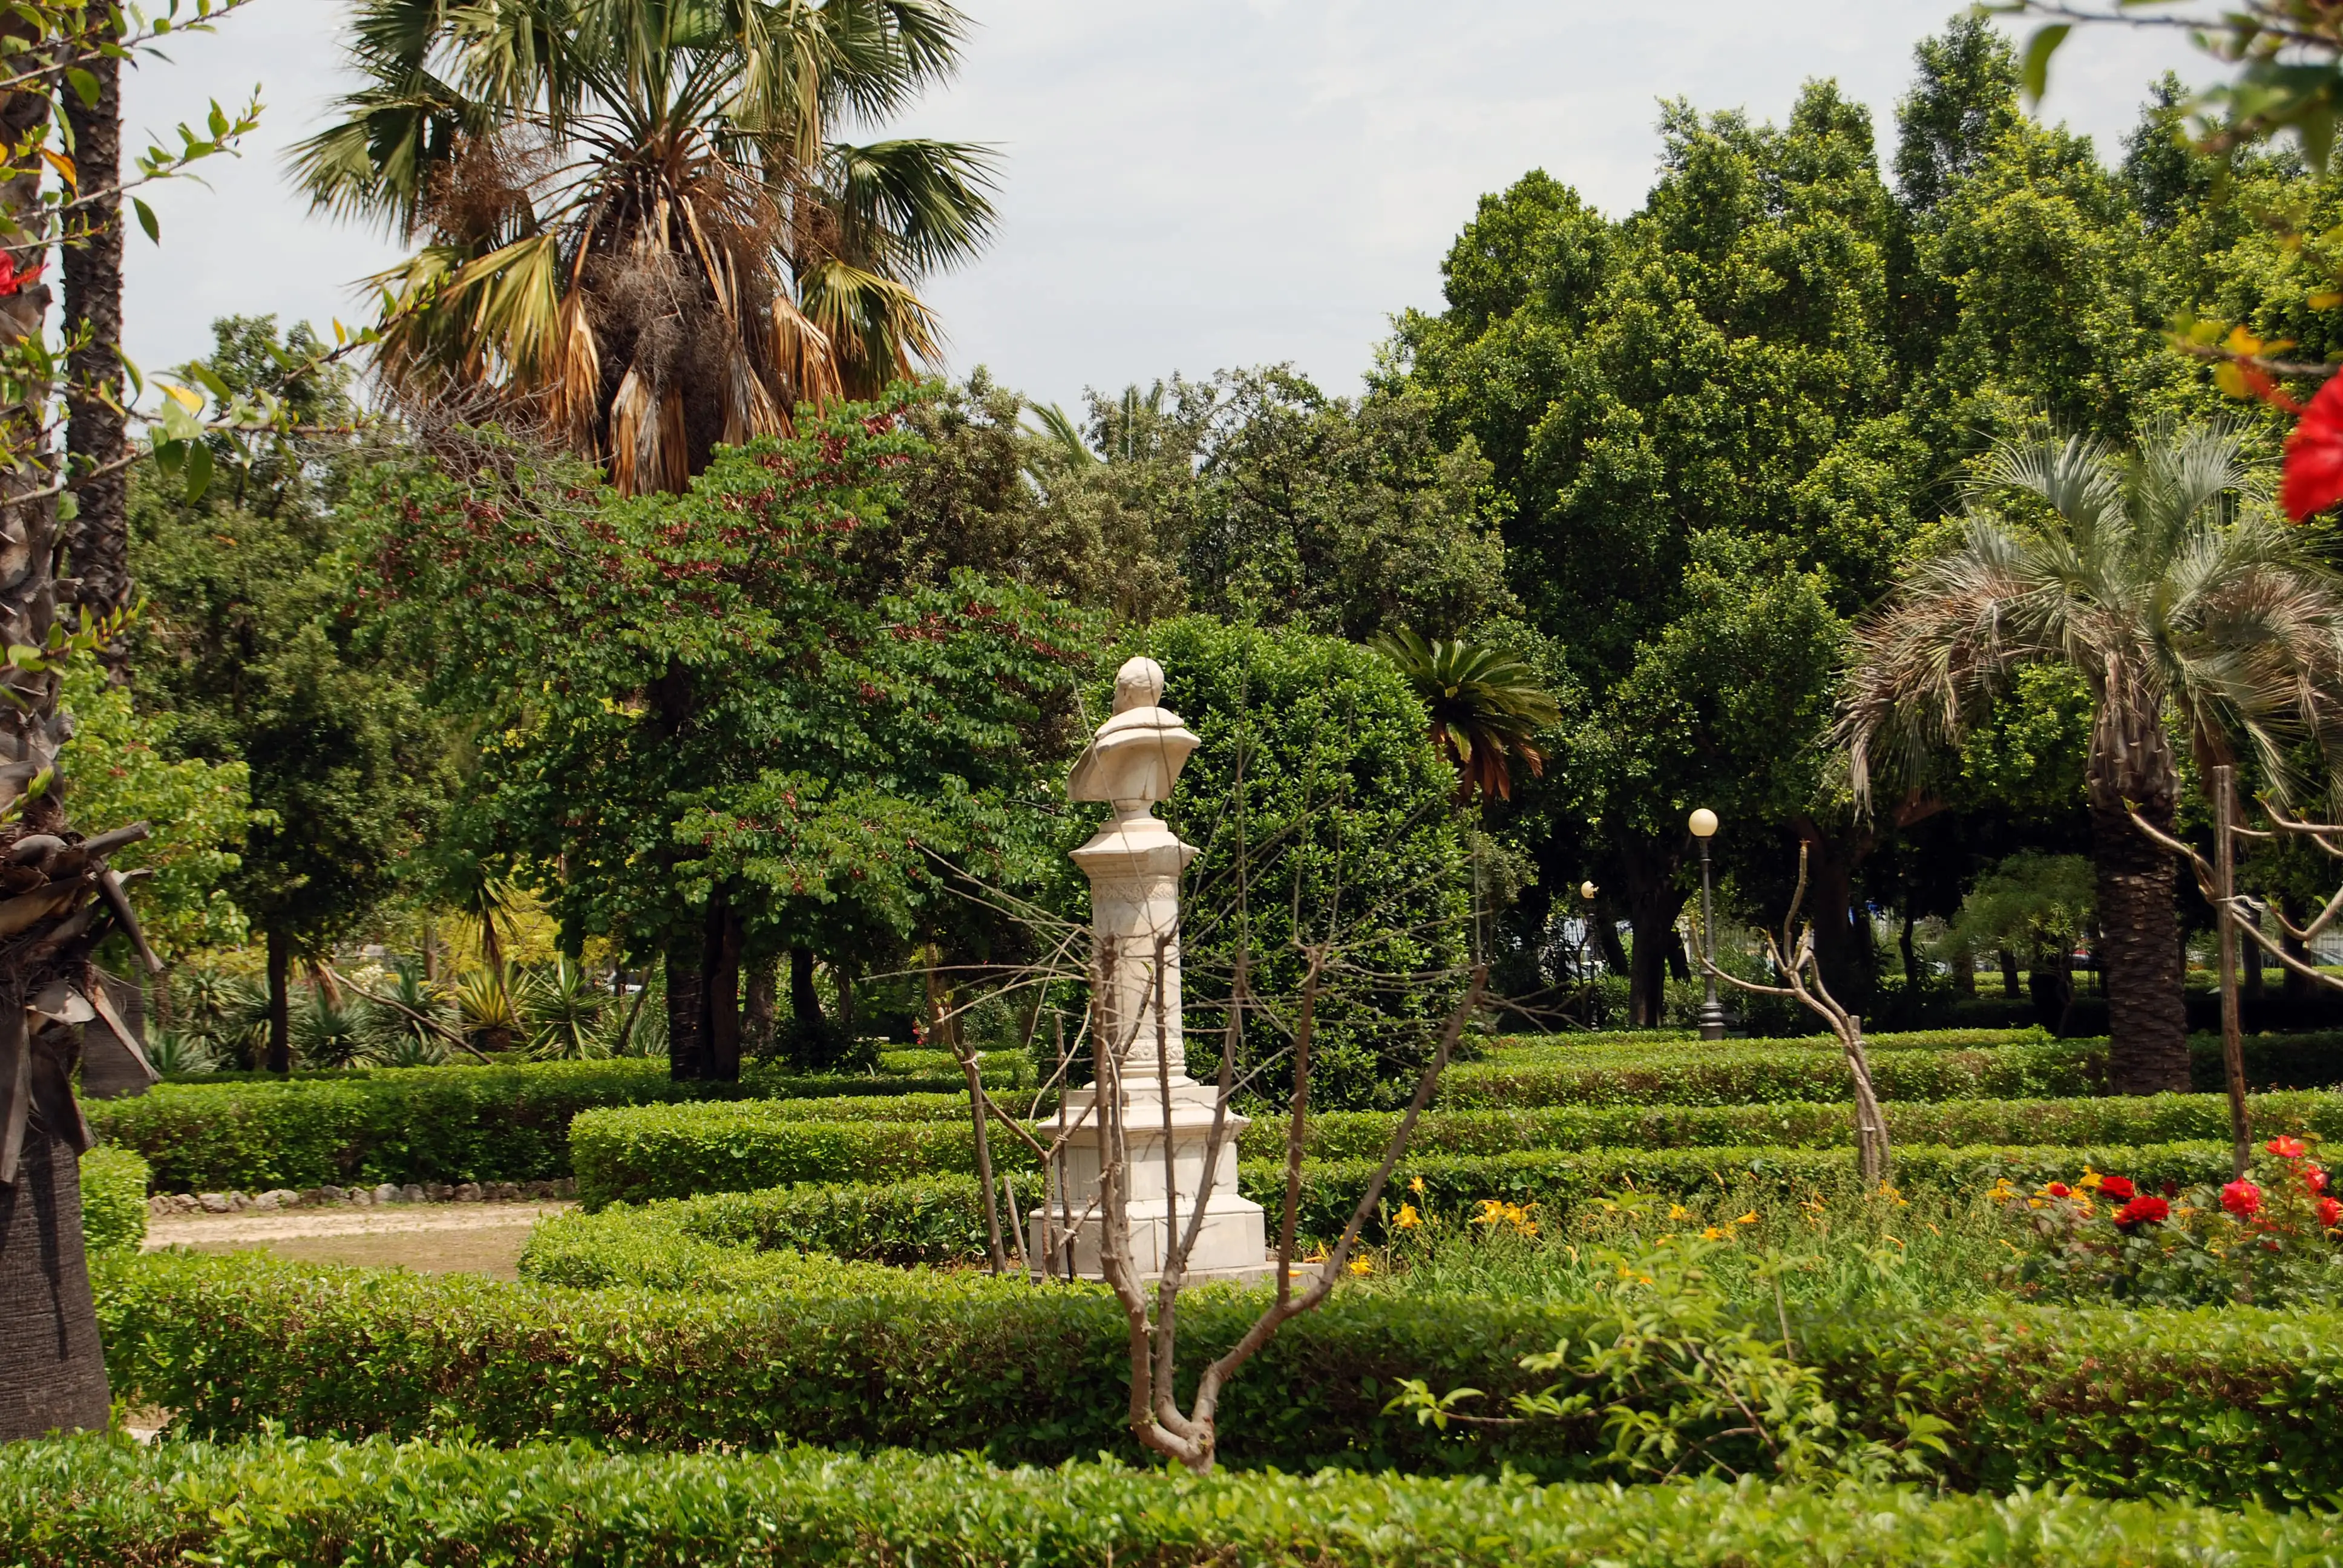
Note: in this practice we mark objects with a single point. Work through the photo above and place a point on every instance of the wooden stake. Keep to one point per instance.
(2224, 902)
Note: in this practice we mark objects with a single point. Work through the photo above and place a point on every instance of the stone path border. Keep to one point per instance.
(168, 1205)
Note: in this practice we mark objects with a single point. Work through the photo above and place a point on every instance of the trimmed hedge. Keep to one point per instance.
(1745, 1072)
(716, 1241)
(641, 1151)
(293, 1504)
(2157, 1118)
(2222, 1406)
(113, 1199)
(425, 1124)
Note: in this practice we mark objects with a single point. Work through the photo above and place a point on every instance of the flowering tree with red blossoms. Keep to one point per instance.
(723, 720)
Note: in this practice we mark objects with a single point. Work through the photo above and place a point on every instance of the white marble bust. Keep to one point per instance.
(1136, 756)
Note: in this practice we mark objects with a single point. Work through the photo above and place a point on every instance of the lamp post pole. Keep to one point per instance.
(1712, 1013)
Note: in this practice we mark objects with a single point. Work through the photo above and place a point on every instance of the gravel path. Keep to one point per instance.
(432, 1238)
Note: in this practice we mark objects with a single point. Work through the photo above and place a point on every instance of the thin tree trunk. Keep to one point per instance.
(99, 535)
(2148, 1024)
(758, 1009)
(683, 1014)
(805, 1001)
(280, 1000)
(2010, 989)
(720, 993)
(2298, 984)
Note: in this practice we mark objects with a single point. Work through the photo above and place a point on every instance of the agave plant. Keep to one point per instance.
(399, 1028)
(329, 1031)
(484, 1004)
(178, 1053)
(225, 1014)
(562, 1008)
(1485, 706)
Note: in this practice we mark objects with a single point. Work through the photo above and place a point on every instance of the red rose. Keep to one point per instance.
(2144, 1212)
(2314, 1179)
(2330, 1212)
(2287, 1148)
(2118, 1189)
(2242, 1199)
(2059, 1190)
(2314, 455)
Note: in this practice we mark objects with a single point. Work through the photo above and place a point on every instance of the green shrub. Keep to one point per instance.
(1647, 1042)
(293, 1504)
(2157, 1119)
(637, 1152)
(433, 1123)
(2222, 1406)
(113, 1199)
(736, 1241)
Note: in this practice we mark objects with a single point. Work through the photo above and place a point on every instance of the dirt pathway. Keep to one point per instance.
(430, 1238)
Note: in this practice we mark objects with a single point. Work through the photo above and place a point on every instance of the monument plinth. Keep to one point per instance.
(1134, 864)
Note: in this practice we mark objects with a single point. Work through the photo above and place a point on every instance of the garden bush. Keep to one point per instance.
(2222, 1406)
(113, 1199)
(429, 1124)
(299, 1504)
(643, 1151)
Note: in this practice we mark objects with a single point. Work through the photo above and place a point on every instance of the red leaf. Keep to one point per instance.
(2314, 455)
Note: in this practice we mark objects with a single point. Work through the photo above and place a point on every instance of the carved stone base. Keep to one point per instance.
(1232, 1243)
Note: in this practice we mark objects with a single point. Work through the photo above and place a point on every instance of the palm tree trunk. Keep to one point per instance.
(2147, 1025)
(52, 1369)
(98, 537)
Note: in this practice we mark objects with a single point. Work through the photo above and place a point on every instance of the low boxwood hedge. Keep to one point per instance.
(298, 1504)
(113, 1199)
(2222, 1406)
(2126, 1119)
(713, 1241)
(641, 1151)
(429, 1124)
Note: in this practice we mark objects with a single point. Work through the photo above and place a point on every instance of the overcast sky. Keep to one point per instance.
(1185, 186)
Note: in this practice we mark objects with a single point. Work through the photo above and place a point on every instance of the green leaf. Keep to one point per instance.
(85, 86)
(147, 220)
(2034, 71)
(199, 470)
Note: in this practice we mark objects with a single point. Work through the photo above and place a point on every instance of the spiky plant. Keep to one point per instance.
(562, 1008)
(330, 1031)
(405, 1027)
(2166, 580)
(639, 225)
(1486, 707)
(484, 1000)
(176, 1052)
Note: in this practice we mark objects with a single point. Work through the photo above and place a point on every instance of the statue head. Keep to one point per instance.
(1138, 684)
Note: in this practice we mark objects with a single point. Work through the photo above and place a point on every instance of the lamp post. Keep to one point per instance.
(1586, 890)
(1712, 1014)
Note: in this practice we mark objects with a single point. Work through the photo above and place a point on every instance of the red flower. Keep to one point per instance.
(2330, 1212)
(2059, 1190)
(2314, 1179)
(11, 280)
(2143, 1212)
(2118, 1189)
(2287, 1148)
(2242, 1199)
(2314, 455)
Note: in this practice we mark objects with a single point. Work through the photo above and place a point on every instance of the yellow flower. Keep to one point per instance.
(1362, 1265)
(1748, 1218)
(2091, 1179)
(1416, 1186)
(1713, 1235)
(1492, 1212)
(1408, 1219)
(1678, 1212)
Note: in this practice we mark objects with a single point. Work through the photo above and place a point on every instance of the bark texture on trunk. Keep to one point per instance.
(684, 1014)
(2010, 988)
(756, 1004)
(720, 1043)
(99, 538)
(2148, 1024)
(1652, 903)
(805, 1002)
(52, 1369)
(280, 1000)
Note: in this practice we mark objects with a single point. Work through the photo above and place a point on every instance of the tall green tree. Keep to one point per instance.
(255, 650)
(639, 224)
(715, 723)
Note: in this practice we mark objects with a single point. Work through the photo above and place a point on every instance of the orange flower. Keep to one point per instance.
(2287, 1148)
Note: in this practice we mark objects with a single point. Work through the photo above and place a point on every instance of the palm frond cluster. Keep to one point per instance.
(1486, 707)
(548, 1013)
(639, 225)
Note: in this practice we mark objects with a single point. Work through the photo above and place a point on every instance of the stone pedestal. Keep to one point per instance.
(1134, 864)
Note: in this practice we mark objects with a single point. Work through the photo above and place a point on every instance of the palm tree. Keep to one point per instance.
(2187, 607)
(1485, 706)
(638, 229)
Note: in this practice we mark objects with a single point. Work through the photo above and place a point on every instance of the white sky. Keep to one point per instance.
(1189, 187)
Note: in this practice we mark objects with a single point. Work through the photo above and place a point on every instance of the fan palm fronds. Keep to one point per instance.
(1486, 706)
